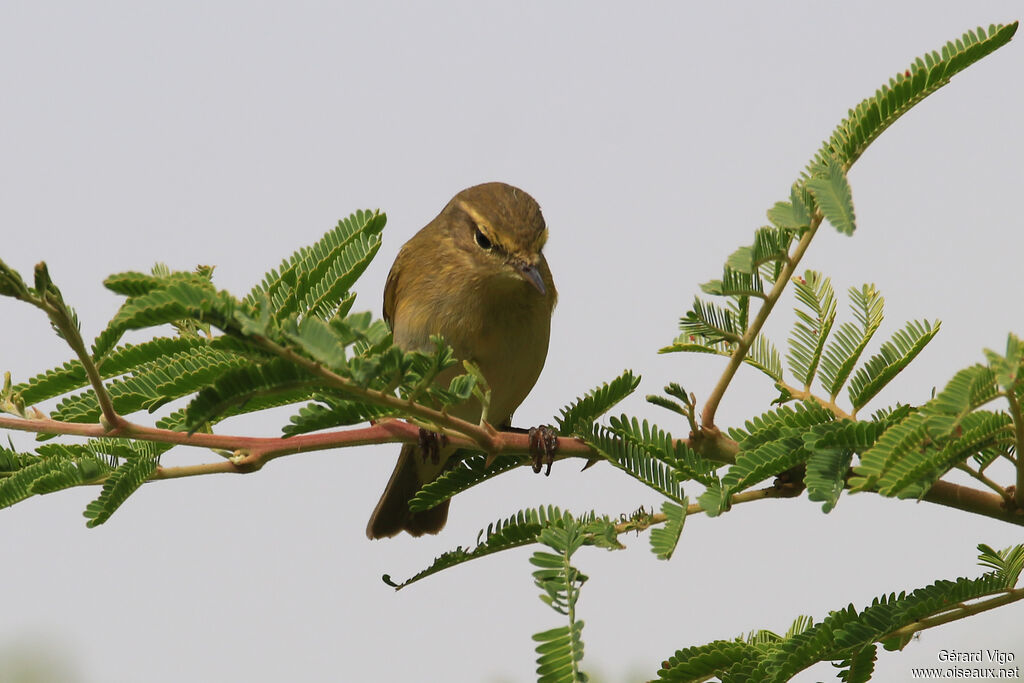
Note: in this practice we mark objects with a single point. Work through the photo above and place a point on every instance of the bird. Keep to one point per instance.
(476, 275)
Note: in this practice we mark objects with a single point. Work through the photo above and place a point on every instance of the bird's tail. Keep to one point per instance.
(392, 514)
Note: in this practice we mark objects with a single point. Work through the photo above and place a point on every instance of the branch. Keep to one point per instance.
(1018, 428)
(711, 407)
(972, 500)
(251, 453)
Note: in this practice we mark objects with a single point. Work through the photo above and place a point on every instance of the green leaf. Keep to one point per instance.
(702, 662)
(154, 383)
(895, 355)
(1006, 563)
(831, 446)
(1008, 369)
(969, 389)
(895, 443)
(770, 245)
(181, 296)
(812, 327)
(907, 88)
(331, 411)
(315, 279)
(831, 190)
(658, 444)
(560, 649)
(767, 460)
(134, 283)
(27, 475)
(911, 455)
(860, 666)
(664, 539)
(521, 529)
(472, 470)
(120, 484)
(66, 473)
(769, 445)
(712, 322)
(850, 340)
(736, 283)
(795, 214)
(637, 462)
(242, 384)
(762, 354)
(782, 422)
(319, 341)
(578, 416)
(11, 283)
(825, 477)
(71, 375)
(911, 475)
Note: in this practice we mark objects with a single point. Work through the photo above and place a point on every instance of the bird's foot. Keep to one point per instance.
(543, 444)
(430, 444)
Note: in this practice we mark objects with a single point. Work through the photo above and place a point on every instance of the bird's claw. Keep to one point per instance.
(543, 444)
(430, 444)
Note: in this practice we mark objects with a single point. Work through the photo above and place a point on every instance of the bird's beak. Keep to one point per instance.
(532, 275)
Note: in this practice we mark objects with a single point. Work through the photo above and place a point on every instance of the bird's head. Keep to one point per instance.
(501, 229)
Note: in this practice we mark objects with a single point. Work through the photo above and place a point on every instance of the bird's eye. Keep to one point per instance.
(482, 241)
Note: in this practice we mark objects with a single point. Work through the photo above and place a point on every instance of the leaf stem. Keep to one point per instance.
(56, 310)
(744, 344)
(977, 474)
(806, 395)
(572, 594)
(960, 612)
(695, 508)
(941, 493)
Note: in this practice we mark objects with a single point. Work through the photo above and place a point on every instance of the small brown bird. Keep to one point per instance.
(476, 276)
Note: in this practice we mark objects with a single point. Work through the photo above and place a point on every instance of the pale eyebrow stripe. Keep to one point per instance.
(475, 215)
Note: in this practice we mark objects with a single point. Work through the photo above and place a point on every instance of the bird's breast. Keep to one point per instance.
(506, 336)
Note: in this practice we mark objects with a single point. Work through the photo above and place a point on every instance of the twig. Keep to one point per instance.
(977, 474)
(711, 407)
(695, 508)
(49, 300)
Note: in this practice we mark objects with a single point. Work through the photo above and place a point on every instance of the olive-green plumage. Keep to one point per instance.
(476, 276)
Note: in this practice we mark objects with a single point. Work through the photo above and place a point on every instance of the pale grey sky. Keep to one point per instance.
(654, 137)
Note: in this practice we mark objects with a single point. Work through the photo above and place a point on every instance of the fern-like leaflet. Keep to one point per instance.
(560, 649)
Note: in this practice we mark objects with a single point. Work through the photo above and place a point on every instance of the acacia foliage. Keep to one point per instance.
(294, 339)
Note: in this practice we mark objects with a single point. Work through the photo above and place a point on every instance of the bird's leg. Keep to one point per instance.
(430, 444)
(543, 444)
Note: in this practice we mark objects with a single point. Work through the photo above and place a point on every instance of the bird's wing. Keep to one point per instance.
(391, 290)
